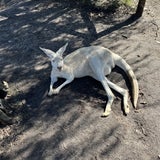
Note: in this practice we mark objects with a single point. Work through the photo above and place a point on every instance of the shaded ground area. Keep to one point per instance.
(68, 126)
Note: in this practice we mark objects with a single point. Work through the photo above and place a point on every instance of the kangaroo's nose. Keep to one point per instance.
(59, 68)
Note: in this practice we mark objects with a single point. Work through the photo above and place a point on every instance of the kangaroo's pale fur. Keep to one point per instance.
(94, 61)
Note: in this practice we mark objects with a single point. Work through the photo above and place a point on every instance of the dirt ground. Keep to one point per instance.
(69, 126)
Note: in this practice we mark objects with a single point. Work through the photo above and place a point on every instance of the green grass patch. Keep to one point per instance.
(129, 3)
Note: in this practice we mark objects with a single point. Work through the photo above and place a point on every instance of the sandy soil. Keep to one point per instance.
(69, 126)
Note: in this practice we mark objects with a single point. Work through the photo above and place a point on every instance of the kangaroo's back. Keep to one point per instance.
(83, 55)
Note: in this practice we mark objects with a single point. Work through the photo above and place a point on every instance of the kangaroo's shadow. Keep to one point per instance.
(89, 89)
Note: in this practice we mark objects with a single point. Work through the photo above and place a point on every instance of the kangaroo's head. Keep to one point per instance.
(56, 58)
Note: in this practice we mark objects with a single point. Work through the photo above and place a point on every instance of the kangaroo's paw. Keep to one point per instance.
(107, 112)
(50, 92)
(53, 91)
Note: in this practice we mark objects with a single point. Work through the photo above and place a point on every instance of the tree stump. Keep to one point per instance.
(4, 118)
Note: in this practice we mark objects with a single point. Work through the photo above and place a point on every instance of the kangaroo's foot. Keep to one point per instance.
(107, 112)
(53, 91)
(125, 103)
(126, 109)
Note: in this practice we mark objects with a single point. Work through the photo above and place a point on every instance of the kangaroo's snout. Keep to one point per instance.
(59, 68)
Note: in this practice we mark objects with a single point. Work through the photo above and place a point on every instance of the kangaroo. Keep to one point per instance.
(96, 62)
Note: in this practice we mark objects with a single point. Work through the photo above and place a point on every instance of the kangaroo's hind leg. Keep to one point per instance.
(97, 68)
(123, 92)
(109, 95)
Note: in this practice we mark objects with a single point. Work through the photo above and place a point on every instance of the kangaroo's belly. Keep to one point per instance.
(78, 63)
(82, 69)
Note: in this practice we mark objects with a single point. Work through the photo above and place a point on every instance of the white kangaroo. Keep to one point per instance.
(94, 61)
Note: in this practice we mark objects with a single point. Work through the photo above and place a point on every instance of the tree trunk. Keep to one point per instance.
(140, 8)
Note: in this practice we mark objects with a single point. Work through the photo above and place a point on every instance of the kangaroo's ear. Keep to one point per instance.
(62, 49)
(48, 52)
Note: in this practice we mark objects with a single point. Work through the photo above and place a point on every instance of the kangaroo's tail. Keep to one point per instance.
(123, 65)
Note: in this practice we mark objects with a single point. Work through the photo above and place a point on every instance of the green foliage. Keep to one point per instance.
(129, 3)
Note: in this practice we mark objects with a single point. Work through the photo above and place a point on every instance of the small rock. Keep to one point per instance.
(124, 36)
(6, 86)
(143, 102)
(137, 110)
